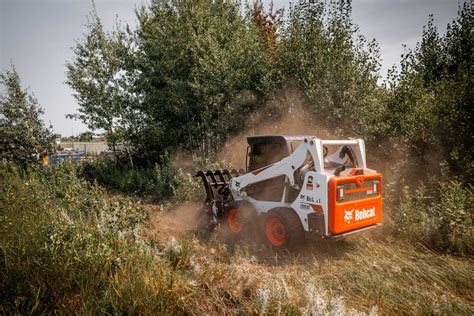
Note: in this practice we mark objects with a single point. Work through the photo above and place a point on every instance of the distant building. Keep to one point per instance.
(89, 148)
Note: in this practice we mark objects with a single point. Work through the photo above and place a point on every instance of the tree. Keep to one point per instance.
(86, 136)
(268, 23)
(23, 135)
(101, 77)
(431, 98)
(203, 70)
(333, 64)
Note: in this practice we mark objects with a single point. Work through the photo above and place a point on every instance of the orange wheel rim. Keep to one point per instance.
(234, 220)
(276, 232)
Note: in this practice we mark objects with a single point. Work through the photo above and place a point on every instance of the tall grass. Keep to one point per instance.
(68, 247)
(62, 239)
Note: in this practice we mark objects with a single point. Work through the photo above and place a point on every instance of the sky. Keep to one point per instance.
(37, 36)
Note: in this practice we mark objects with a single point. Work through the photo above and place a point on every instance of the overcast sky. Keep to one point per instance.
(37, 36)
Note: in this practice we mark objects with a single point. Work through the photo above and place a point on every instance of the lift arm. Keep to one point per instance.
(286, 166)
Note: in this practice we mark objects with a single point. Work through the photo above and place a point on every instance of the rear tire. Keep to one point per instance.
(239, 222)
(283, 229)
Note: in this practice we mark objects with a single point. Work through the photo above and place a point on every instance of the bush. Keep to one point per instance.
(160, 183)
(440, 216)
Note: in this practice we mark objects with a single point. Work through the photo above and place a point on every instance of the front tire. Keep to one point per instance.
(283, 229)
(239, 222)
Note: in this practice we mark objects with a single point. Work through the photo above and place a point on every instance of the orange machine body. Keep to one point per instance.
(358, 204)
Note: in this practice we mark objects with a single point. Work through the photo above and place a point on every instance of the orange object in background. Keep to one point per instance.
(348, 212)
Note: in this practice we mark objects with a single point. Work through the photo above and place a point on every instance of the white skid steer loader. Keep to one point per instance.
(296, 188)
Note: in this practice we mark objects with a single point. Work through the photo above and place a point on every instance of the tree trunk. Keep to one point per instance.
(129, 153)
(114, 144)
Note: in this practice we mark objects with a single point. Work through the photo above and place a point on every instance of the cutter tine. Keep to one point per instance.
(207, 186)
(235, 173)
(221, 176)
(227, 174)
(210, 174)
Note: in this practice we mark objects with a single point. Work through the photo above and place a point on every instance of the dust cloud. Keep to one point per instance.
(285, 114)
(175, 220)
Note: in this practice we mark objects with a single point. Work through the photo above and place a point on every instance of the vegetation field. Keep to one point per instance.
(69, 246)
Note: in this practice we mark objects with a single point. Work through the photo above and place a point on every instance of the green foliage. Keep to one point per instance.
(192, 73)
(61, 238)
(67, 247)
(22, 132)
(160, 183)
(86, 136)
(189, 77)
(102, 79)
(430, 99)
(90, 75)
(440, 216)
(189, 189)
(203, 68)
(429, 109)
(336, 67)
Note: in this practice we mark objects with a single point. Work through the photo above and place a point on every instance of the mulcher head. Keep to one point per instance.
(216, 184)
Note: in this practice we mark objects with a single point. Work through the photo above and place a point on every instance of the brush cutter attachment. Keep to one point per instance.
(218, 195)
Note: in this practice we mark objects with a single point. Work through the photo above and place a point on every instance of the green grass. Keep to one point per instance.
(69, 247)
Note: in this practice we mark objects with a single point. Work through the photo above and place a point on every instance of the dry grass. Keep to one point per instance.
(368, 274)
(68, 247)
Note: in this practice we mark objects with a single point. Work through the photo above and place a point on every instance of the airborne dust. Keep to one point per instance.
(285, 114)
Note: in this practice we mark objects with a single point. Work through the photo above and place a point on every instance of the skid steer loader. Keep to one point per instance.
(295, 188)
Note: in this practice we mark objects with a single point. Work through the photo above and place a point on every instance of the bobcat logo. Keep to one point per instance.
(359, 214)
(348, 215)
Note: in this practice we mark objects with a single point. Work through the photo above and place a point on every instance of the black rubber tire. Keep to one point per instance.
(295, 235)
(248, 219)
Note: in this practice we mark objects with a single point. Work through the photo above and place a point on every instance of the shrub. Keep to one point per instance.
(440, 216)
(160, 183)
(66, 247)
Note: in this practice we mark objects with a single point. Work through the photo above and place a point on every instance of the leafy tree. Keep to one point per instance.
(102, 80)
(431, 98)
(86, 136)
(23, 134)
(333, 64)
(194, 72)
(203, 71)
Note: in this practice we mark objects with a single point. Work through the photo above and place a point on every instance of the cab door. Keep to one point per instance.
(264, 154)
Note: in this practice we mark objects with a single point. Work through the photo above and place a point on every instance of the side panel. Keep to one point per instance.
(312, 198)
(264, 206)
(357, 213)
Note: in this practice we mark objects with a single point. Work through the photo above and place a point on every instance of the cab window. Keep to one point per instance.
(265, 154)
